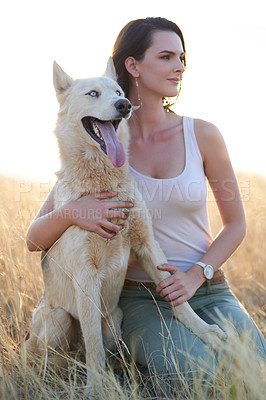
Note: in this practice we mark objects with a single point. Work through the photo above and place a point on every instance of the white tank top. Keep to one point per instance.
(178, 207)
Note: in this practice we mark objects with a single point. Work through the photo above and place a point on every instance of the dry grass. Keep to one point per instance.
(21, 287)
(246, 270)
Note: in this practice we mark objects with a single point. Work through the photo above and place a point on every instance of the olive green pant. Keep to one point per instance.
(160, 343)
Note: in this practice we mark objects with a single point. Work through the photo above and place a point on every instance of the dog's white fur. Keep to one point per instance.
(84, 273)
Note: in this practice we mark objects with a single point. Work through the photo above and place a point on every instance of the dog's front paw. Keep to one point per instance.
(214, 336)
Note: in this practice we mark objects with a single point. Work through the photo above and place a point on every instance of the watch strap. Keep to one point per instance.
(201, 264)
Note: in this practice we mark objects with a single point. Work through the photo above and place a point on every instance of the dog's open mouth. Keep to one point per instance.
(104, 133)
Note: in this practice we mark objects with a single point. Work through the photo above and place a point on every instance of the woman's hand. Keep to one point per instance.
(93, 213)
(180, 286)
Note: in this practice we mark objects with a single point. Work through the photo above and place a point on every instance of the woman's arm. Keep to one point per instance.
(181, 286)
(90, 212)
(223, 182)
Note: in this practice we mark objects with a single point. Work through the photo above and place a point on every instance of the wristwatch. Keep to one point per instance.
(207, 270)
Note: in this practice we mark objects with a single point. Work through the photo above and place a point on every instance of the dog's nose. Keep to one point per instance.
(123, 106)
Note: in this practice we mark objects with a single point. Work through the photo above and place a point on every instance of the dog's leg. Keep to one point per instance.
(151, 256)
(51, 328)
(111, 328)
(88, 300)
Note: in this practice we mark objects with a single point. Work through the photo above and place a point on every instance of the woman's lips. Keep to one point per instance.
(174, 80)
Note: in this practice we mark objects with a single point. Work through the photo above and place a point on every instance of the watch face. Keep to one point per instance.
(208, 272)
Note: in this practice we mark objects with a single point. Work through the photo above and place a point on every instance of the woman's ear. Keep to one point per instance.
(132, 66)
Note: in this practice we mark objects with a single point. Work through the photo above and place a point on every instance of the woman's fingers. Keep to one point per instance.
(170, 280)
(170, 289)
(111, 204)
(93, 213)
(178, 301)
(115, 214)
(110, 226)
(167, 267)
(174, 296)
(175, 288)
(101, 232)
(118, 204)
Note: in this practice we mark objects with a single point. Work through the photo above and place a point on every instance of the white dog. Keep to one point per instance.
(84, 273)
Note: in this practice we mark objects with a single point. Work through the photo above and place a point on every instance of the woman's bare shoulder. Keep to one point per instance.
(208, 136)
(205, 128)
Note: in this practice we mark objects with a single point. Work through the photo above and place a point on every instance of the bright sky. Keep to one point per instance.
(225, 82)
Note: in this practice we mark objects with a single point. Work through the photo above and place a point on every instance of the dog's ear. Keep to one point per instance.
(62, 81)
(110, 71)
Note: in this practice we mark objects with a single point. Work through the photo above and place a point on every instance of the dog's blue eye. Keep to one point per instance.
(93, 93)
(118, 93)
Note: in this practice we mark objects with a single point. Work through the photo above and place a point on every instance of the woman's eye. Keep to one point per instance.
(165, 57)
(92, 93)
(182, 59)
(118, 93)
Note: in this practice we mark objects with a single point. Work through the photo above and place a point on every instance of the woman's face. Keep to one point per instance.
(161, 69)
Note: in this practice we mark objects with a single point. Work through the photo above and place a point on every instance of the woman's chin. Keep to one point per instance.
(172, 94)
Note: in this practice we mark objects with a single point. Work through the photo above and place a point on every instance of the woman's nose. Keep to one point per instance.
(180, 66)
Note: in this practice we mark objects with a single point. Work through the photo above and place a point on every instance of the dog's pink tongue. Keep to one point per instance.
(114, 148)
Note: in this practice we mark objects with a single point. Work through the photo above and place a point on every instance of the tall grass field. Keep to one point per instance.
(240, 375)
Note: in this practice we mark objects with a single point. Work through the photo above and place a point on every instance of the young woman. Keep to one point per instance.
(170, 157)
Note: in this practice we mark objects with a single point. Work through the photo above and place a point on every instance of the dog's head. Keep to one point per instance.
(94, 108)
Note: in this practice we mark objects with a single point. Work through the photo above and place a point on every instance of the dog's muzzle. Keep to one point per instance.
(104, 132)
(124, 107)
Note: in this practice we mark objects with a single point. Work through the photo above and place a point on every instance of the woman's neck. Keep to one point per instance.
(150, 118)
